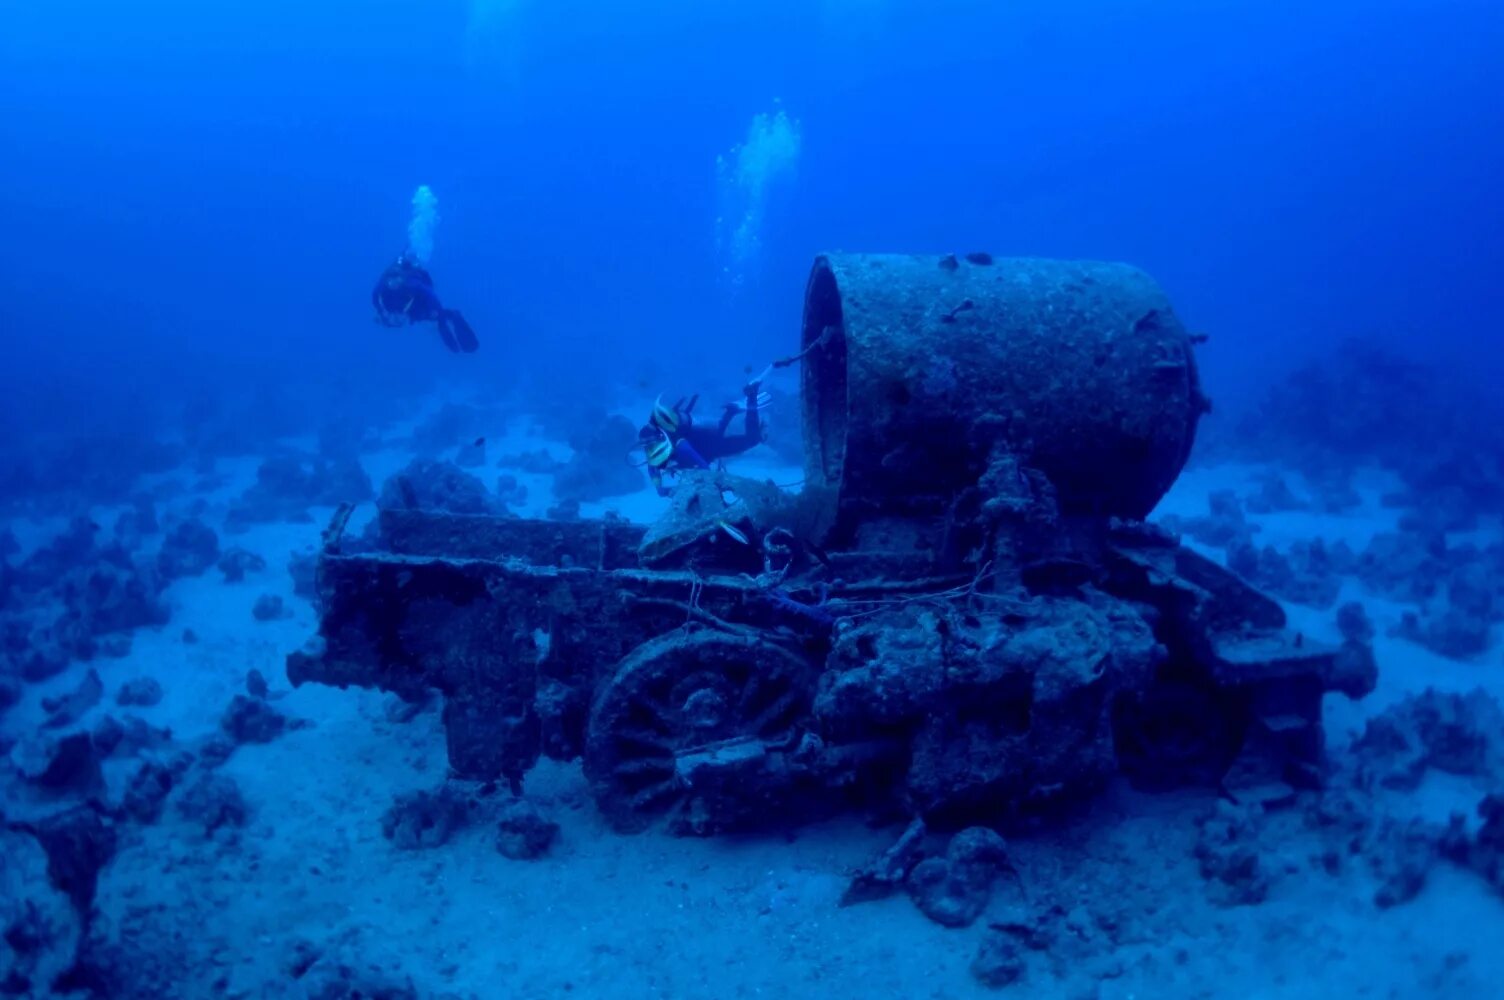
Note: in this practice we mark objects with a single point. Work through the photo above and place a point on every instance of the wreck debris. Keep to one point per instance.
(961, 619)
(887, 873)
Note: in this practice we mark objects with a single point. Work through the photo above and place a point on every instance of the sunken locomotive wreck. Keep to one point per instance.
(962, 616)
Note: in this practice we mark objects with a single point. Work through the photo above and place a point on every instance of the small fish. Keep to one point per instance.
(735, 533)
(480, 442)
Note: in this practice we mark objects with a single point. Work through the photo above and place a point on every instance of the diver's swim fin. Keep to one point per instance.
(446, 332)
(462, 333)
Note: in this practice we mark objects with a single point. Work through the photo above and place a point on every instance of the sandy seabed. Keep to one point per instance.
(604, 915)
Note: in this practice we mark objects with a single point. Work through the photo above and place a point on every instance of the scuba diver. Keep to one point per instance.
(674, 442)
(404, 295)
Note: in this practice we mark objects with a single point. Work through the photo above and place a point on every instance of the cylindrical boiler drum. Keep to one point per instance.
(920, 367)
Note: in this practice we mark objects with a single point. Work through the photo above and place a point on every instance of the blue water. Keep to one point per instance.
(624, 200)
(203, 193)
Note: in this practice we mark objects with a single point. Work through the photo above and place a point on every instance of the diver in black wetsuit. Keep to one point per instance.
(674, 442)
(404, 294)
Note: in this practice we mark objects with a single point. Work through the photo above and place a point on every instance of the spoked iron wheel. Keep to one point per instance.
(689, 717)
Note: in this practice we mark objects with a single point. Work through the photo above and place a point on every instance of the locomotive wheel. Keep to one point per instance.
(677, 702)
